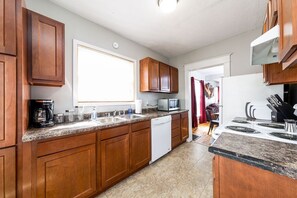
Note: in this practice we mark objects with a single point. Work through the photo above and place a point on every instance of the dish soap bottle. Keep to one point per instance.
(94, 114)
(130, 111)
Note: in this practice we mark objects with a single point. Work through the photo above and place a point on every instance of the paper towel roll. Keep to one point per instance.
(138, 106)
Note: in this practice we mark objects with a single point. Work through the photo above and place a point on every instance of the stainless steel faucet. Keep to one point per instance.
(114, 113)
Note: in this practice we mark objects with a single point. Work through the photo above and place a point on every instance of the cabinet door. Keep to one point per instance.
(7, 101)
(114, 159)
(8, 27)
(70, 173)
(276, 75)
(7, 173)
(272, 12)
(141, 148)
(184, 126)
(164, 77)
(173, 80)
(288, 29)
(46, 51)
(153, 75)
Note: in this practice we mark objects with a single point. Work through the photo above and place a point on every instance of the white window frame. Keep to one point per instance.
(77, 43)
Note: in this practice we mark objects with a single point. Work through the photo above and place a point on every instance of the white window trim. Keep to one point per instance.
(75, 76)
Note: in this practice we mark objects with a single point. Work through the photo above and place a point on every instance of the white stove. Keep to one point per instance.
(259, 128)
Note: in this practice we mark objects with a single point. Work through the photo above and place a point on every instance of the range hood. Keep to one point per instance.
(264, 50)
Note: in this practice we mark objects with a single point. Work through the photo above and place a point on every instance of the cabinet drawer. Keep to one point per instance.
(175, 124)
(175, 132)
(48, 147)
(175, 141)
(114, 132)
(175, 117)
(140, 125)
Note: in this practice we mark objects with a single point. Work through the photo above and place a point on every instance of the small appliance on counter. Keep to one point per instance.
(41, 113)
(168, 104)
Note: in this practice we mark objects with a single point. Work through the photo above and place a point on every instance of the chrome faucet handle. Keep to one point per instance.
(107, 114)
(114, 113)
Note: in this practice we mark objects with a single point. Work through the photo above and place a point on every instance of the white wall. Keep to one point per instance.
(247, 88)
(81, 29)
(238, 46)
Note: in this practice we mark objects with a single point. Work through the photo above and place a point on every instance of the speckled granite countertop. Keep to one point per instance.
(274, 156)
(58, 130)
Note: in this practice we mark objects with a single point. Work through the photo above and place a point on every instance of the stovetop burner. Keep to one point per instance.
(287, 136)
(241, 121)
(272, 125)
(242, 129)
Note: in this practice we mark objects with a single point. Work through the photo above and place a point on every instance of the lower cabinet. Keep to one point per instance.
(175, 130)
(184, 126)
(114, 148)
(237, 179)
(140, 145)
(7, 173)
(70, 173)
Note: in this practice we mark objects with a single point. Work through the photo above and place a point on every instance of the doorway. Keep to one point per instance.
(206, 85)
(224, 63)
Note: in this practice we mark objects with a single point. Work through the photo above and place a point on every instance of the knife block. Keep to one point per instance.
(276, 117)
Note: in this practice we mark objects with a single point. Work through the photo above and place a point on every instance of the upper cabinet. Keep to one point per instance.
(8, 27)
(288, 32)
(45, 51)
(282, 12)
(156, 76)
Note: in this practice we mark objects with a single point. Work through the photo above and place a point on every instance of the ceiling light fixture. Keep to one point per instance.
(167, 5)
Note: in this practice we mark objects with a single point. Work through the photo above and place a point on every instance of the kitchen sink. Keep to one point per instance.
(133, 116)
(105, 120)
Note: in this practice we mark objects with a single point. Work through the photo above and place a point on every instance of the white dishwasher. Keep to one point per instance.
(161, 137)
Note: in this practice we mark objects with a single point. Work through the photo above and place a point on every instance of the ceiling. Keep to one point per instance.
(194, 24)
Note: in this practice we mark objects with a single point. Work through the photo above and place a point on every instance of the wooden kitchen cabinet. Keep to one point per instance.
(140, 145)
(272, 13)
(114, 149)
(149, 75)
(45, 51)
(173, 80)
(237, 179)
(8, 27)
(184, 126)
(274, 74)
(66, 167)
(176, 136)
(7, 173)
(288, 32)
(156, 76)
(164, 78)
(7, 101)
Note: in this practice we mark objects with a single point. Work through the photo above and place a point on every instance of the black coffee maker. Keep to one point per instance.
(41, 113)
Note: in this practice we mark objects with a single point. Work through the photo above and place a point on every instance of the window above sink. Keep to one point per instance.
(102, 77)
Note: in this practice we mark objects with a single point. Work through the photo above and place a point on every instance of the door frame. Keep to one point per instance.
(207, 63)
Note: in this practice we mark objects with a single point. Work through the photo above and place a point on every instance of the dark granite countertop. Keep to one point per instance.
(58, 130)
(278, 157)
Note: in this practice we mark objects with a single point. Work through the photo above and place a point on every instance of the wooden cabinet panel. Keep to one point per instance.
(140, 125)
(176, 136)
(114, 160)
(149, 75)
(184, 126)
(7, 173)
(164, 78)
(288, 30)
(175, 141)
(276, 75)
(8, 27)
(272, 13)
(173, 80)
(46, 51)
(70, 173)
(236, 179)
(140, 148)
(7, 101)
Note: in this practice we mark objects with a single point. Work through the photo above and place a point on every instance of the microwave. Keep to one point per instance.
(168, 104)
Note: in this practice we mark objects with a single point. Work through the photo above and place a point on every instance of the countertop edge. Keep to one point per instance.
(272, 167)
(86, 129)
